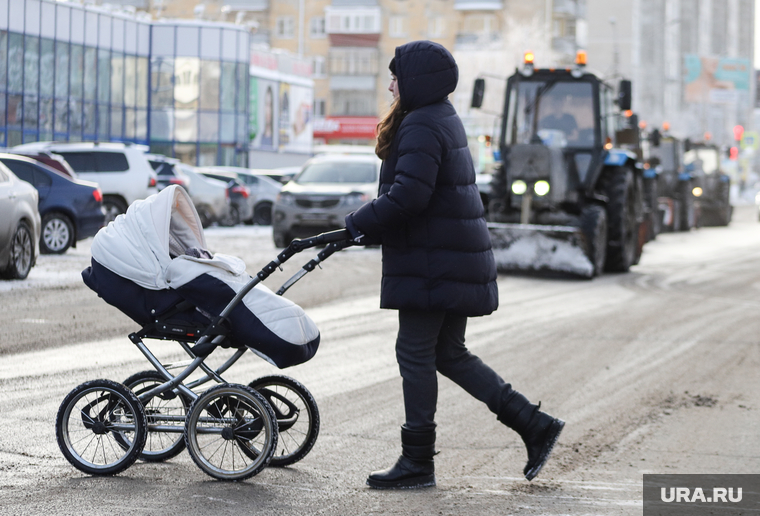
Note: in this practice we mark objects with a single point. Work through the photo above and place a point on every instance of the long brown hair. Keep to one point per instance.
(386, 129)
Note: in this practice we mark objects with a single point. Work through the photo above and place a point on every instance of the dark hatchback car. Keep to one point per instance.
(71, 209)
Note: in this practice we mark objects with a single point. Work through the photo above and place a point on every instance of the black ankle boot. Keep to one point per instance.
(414, 468)
(539, 431)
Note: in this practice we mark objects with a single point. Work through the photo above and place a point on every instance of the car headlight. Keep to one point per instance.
(541, 188)
(356, 198)
(697, 191)
(519, 187)
(286, 198)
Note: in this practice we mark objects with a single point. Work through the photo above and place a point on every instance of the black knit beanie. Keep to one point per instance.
(392, 66)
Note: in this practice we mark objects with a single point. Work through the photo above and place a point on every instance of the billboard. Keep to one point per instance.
(264, 107)
(298, 131)
(715, 80)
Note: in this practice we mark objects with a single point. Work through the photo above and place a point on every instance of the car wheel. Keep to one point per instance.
(281, 239)
(233, 217)
(262, 214)
(57, 234)
(113, 206)
(22, 253)
(205, 216)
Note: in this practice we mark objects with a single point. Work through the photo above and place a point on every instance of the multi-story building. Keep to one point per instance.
(691, 61)
(350, 43)
(73, 72)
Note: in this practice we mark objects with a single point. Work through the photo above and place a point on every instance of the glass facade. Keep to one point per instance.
(199, 92)
(73, 73)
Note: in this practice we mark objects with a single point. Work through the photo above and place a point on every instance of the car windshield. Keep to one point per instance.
(338, 172)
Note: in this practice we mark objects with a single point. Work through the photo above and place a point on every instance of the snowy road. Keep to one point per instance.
(655, 371)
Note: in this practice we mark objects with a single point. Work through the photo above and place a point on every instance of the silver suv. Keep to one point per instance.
(319, 197)
(121, 170)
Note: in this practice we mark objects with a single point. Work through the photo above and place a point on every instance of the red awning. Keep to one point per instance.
(348, 127)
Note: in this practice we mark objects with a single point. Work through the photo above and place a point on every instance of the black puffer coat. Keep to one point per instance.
(428, 215)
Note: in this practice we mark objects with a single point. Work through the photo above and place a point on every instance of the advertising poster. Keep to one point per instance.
(263, 125)
(716, 80)
(299, 129)
(253, 108)
(284, 115)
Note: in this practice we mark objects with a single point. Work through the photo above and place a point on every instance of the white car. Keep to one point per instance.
(121, 170)
(19, 225)
(329, 187)
(263, 189)
(210, 196)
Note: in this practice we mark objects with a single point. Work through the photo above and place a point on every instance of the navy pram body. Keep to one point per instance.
(140, 266)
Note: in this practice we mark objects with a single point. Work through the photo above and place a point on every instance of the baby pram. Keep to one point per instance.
(153, 265)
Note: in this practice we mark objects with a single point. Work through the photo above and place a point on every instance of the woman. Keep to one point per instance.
(438, 267)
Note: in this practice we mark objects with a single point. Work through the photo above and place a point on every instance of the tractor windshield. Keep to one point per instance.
(701, 161)
(560, 114)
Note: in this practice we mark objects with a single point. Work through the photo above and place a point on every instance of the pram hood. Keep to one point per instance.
(136, 245)
(147, 247)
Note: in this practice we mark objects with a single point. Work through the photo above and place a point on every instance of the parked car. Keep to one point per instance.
(71, 209)
(241, 202)
(281, 175)
(50, 159)
(328, 188)
(167, 172)
(122, 170)
(210, 196)
(19, 225)
(263, 189)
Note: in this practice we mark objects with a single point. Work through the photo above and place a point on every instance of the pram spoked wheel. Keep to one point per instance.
(231, 432)
(101, 427)
(297, 417)
(165, 414)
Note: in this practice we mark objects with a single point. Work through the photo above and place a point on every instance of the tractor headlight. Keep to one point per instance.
(541, 188)
(697, 191)
(519, 187)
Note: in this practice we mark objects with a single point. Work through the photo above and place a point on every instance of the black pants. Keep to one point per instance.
(434, 341)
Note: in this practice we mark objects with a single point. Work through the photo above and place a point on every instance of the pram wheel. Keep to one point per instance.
(101, 427)
(231, 432)
(167, 410)
(297, 417)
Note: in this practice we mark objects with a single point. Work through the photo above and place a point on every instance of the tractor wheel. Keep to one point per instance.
(594, 228)
(688, 213)
(622, 223)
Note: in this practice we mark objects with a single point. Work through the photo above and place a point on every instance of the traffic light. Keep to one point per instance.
(738, 132)
(733, 153)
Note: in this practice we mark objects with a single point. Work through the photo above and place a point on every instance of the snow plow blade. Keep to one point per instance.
(537, 248)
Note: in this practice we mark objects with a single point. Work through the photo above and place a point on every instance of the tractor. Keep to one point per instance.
(567, 196)
(711, 185)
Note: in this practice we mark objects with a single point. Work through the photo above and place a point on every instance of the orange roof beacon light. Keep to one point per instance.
(528, 59)
(666, 126)
(580, 64)
(581, 57)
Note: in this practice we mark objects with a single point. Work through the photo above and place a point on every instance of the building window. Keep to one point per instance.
(318, 66)
(436, 26)
(317, 27)
(285, 27)
(480, 24)
(397, 26)
(354, 61)
(354, 103)
(320, 108)
(564, 27)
